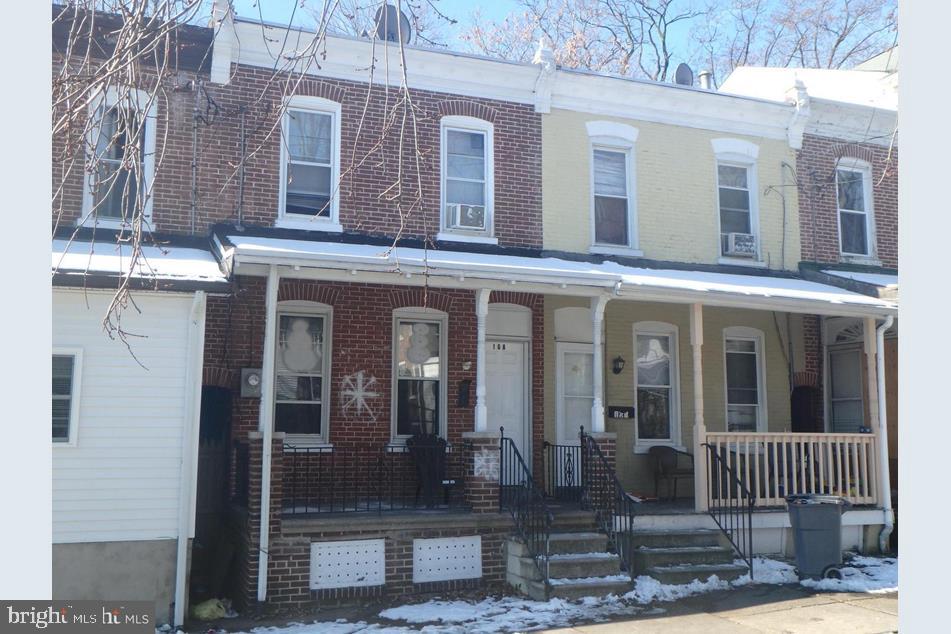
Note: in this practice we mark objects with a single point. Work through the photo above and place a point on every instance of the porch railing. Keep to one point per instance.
(602, 493)
(519, 495)
(730, 503)
(774, 465)
(562, 472)
(367, 478)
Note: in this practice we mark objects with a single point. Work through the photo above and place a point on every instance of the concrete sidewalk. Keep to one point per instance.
(786, 609)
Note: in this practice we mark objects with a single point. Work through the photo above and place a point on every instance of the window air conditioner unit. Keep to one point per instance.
(471, 217)
(742, 245)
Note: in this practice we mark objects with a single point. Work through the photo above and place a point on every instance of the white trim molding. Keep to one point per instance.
(735, 149)
(746, 333)
(487, 129)
(317, 105)
(612, 130)
(75, 392)
(672, 332)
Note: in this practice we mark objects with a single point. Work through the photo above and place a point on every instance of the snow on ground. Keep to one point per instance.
(513, 614)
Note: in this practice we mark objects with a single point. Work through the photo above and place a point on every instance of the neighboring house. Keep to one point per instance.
(573, 249)
(847, 176)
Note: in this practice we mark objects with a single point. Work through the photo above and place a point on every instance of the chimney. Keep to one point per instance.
(706, 80)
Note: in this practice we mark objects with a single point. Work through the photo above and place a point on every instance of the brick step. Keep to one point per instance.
(577, 542)
(680, 574)
(645, 558)
(678, 538)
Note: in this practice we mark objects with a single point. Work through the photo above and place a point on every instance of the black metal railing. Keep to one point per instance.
(367, 478)
(601, 492)
(562, 472)
(730, 504)
(519, 495)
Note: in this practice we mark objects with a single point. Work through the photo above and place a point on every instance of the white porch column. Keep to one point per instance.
(482, 312)
(266, 422)
(699, 427)
(871, 371)
(597, 377)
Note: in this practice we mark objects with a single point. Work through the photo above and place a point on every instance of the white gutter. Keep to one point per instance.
(885, 476)
(189, 466)
(266, 425)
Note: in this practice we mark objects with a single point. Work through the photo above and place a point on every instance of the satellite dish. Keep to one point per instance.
(683, 76)
(392, 24)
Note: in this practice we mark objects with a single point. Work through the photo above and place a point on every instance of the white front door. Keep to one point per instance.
(506, 394)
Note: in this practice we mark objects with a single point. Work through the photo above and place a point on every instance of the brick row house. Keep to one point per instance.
(437, 334)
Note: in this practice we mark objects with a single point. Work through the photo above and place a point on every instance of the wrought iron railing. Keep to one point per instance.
(601, 492)
(367, 478)
(730, 503)
(519, 495)
(562, 472)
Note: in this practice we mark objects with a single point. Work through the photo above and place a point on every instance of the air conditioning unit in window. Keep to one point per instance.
(741, 245)
(470, 217)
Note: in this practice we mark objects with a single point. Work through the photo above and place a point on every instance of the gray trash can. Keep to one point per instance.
(817, 533)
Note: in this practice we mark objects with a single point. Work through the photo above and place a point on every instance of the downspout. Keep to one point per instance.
(186, 494)
(885, 476)
(266, 425)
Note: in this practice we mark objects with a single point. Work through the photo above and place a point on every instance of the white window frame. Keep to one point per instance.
(75, 394)
(301, 308)
(738, 153)
(318, 105)
(430, 315)
(662, 329)
(615, 137)
(865, 169)
(759, 339)
(467, 124)
(140, 100)
(566, 435)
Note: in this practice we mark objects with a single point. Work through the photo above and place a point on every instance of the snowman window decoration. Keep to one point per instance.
(300, 346)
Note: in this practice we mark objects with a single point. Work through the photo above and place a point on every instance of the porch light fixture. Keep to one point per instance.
(617, 364)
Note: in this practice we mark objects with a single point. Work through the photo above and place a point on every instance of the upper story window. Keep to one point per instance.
(854, 203)
(310, 165)
(467, 179)
(737, 208)
(745, 383)
(419, 371)
(67, 366)
(302, 369)
(613, 205)
(121, 159)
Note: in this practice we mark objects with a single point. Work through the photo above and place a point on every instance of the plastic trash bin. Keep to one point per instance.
(817, 533)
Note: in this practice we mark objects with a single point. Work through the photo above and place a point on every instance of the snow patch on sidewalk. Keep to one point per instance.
(861, 574)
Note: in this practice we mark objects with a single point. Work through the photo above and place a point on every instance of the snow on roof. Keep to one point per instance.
(548, 270)
(875, 279)
(164, 263)
(860, 87)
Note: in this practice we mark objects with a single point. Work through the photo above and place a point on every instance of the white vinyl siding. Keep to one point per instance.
(120, 480)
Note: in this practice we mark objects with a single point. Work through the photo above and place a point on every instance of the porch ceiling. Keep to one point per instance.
(444, 268)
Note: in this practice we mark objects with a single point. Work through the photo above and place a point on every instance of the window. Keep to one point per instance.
(467, 187)
(302, 362)
(853, 188)
(66, 382)
(420, 373)
(310, 164)
(656, 376)
(745, 397)
(122, 140)
(737, 211)
(613, 219)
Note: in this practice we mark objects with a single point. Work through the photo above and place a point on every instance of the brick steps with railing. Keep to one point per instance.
(681, 556)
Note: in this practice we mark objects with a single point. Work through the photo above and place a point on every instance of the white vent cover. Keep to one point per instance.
(447, 558)
(347, 564)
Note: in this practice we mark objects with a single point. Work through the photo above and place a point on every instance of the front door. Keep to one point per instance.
(506, 394)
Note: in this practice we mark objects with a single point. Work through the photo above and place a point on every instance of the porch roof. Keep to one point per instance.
(875, 279)
(102, 262)
(553, 275)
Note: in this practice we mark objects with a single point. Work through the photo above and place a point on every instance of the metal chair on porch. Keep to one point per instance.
(667, 467)
(428, 452)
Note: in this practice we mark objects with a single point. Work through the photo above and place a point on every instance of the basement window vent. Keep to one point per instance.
(447, 559)
(347, 564)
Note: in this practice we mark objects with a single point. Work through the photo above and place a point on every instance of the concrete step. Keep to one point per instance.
(579, 565)
(577, 542)
(590, 586)
(573, 521)
(645, 558)
(678, 537)
(685, 573)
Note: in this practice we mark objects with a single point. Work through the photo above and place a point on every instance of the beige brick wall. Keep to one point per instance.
(676, 190)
